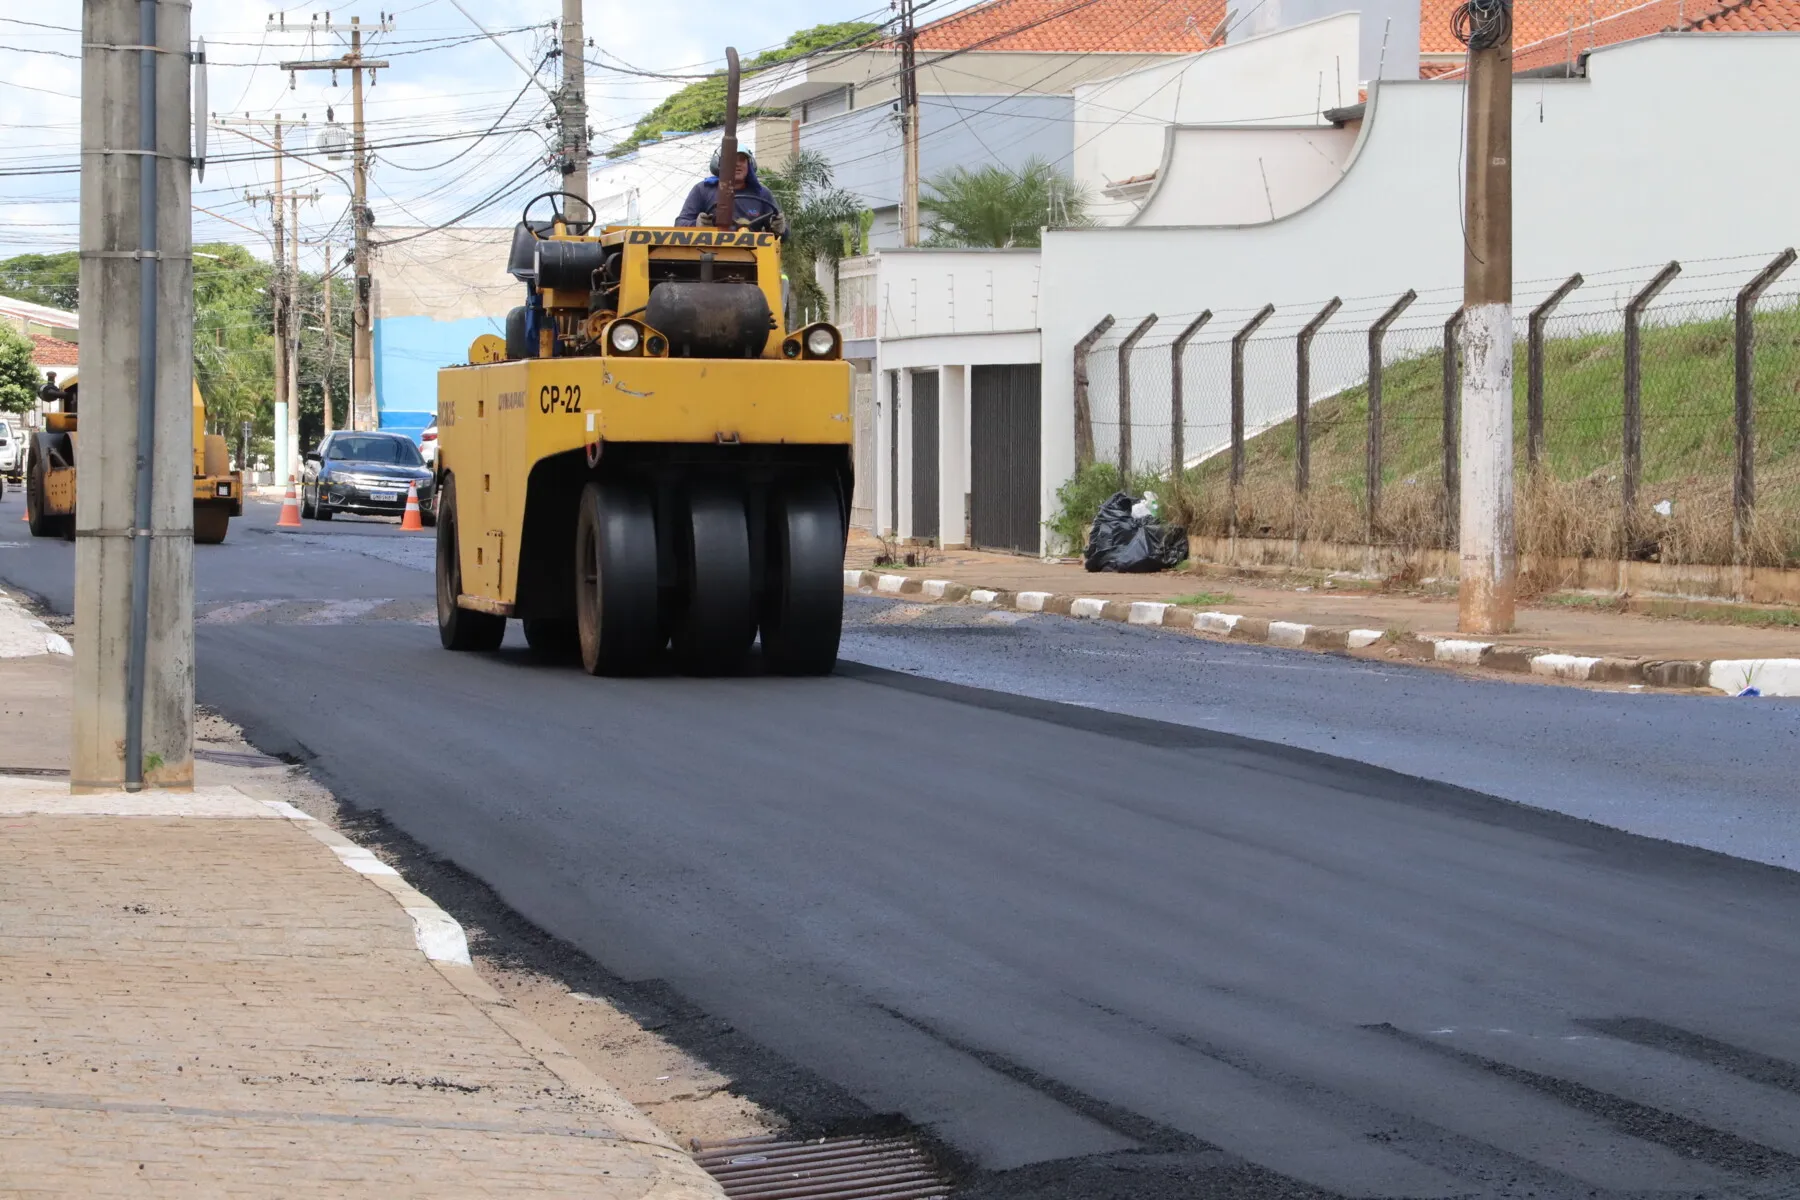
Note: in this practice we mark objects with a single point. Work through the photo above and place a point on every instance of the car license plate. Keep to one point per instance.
(384, 497)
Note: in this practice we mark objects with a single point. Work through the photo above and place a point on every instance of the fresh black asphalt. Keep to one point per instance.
(1093, 953)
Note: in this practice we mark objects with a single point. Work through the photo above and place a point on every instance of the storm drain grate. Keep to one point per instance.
(845, 1168)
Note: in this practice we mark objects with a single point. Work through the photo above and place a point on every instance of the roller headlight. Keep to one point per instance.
(820, 342)
(624, 337)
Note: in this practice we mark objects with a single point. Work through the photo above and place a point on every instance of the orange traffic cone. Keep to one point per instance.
(410, 519)
(290, 509)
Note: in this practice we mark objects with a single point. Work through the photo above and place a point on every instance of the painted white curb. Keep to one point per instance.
(852, 579)
(1287, 633)
(1030, 601)
(1563, 666)
(1216, 622)
(1087, 607)
(1148, 612)
(1769, 676)
(23, 635)
(984, 596)
(1360, 638)
(889, 585)
(1455, 650)
(935, 588)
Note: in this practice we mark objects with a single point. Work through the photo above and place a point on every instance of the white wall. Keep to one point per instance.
(922, 292)
(1241, 175)
(1668, 150)
(1284, 78)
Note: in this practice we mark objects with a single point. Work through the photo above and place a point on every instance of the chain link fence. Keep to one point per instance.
(1657, 415)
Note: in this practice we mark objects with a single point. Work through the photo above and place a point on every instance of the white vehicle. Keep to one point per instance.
(12, 454)
(428, 444)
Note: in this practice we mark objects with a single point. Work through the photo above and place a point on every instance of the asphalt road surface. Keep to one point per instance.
(1089, 905)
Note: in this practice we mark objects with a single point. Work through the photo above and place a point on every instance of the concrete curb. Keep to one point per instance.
(1769, 676)
(23, 635)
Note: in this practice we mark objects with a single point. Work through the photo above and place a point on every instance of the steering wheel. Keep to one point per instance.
(559, 211)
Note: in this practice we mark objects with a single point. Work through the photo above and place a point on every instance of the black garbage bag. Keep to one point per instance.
(1121, 542)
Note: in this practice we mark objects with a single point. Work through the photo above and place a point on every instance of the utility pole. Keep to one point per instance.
(293, 307)
(330, 341)
(286, 402)
(909, 127)
(286, 263)
(134, 579)
(573, 109)
(362, 370)
(1489, 550)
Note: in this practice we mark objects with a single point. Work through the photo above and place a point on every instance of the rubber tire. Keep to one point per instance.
(552, 639)
(322, 512)
(459, 628)
(42, 525)
(309, 509)
(717, 623)
(803, 601)
(211, 523)
(617, 625)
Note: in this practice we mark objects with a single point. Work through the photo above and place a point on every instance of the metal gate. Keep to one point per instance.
(925, 454)
(893, 401)
(1005, 421)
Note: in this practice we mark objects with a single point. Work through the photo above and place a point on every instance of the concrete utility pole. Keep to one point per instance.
(573, 109)
(293, 307)
(285, 412)
(330, 341)
(1488, 549)
(909, 127)
(285, 261)
(362, 369)
(134, 579)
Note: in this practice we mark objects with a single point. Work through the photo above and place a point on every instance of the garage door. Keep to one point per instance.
(1005, 421)
(925, 454)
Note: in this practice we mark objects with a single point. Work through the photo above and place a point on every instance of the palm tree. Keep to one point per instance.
(992, 206)
(816, 209)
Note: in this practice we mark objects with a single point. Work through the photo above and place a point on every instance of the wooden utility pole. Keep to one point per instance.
(1489, 553)
(362, 370)
(909, 126)
(134, 579)
(573, 109)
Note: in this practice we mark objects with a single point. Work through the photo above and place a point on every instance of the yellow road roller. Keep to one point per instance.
(650, 467)
(50, 471)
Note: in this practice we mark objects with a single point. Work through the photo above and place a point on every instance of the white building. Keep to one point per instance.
(648, 185)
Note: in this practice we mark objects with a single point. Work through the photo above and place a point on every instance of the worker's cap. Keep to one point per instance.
(743, 154)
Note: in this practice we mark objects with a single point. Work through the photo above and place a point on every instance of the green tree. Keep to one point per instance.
(701, 104)
(234, 361)
(51, 279)
(19, 379)
(816, 210)
(992, 206)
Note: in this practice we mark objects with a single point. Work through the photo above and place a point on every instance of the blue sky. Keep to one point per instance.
(434, 90)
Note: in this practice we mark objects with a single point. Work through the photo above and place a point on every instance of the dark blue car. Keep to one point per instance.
(365, 473)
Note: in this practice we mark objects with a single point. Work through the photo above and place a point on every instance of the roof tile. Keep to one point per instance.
(50, 351)
(1078, 26)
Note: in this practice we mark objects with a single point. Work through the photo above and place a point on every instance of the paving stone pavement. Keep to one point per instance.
(235, 1001)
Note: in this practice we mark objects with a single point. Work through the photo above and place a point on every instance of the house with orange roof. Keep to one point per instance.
(995, 85)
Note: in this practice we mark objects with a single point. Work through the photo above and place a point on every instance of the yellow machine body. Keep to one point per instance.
(51, 486)
(592, 399)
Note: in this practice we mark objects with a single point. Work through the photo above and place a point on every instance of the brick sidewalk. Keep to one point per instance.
(235, 1001)
(1574, 630)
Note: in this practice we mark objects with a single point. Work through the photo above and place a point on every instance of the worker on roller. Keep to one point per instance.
(754, 204)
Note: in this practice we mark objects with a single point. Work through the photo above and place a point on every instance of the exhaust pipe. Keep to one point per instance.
(725, 211)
